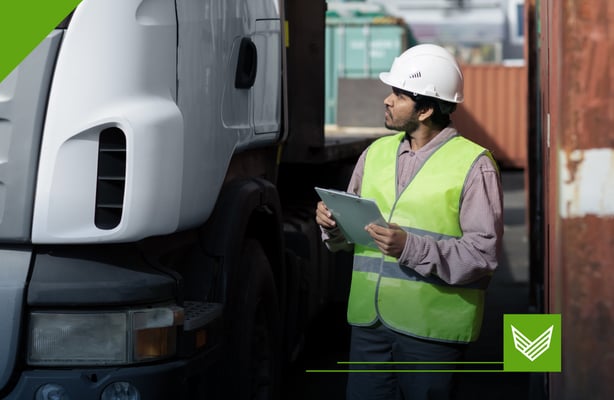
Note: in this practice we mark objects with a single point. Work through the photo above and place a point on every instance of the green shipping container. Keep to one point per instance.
(360, 48)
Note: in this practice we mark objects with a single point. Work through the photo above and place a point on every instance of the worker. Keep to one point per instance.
(417, 300)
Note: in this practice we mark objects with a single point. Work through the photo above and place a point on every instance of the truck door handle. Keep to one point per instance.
(247, 64)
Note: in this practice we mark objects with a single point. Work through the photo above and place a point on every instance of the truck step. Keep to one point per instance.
(199, 314)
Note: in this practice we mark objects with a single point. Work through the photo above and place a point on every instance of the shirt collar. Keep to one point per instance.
(443, 136)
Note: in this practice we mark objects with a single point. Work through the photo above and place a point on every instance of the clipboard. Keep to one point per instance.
(352, 214)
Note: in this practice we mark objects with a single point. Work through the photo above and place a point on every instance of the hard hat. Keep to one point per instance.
(429, 70)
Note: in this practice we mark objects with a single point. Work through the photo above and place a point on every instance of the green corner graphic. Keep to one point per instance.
(532, 343)
(24, 24)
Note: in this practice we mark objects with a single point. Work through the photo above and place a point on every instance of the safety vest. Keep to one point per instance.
(399, 297)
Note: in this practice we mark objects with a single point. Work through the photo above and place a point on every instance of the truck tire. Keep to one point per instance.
(254, 371)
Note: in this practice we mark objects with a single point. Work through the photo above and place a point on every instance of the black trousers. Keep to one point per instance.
(380, 344)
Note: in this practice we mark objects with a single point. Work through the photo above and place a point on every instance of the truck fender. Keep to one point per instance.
(245, 234)
(246, 208)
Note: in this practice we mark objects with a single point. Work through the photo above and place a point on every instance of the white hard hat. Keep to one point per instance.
(429, 70)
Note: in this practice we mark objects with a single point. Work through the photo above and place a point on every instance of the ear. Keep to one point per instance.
(424, 114)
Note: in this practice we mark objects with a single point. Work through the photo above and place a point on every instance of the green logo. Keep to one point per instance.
(24, 25)
(532, 342)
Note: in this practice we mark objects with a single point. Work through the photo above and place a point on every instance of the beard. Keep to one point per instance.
(407, 125)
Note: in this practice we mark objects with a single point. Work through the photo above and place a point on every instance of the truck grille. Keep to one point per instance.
(111, 183)
(199, 314)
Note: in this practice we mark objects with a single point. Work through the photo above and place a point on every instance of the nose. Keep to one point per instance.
(388, 100)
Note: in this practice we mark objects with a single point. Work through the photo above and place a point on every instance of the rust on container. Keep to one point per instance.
(494, 112)
(575, 92)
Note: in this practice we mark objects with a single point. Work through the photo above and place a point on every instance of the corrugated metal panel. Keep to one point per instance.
(583, 159)
(494, 113)
(577, 165)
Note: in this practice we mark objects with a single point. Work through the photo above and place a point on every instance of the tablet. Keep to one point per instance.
(352, 214)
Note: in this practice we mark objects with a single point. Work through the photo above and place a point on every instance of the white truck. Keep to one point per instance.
(157, 165)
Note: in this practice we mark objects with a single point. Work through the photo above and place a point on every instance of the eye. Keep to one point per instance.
(398, 92)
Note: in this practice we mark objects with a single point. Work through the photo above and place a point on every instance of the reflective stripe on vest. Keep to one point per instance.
(401, 298)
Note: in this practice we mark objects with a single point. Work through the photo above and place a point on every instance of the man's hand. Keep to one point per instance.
(390, 240)
(324, 217)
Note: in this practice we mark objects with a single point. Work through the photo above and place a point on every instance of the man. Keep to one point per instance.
(419, 297)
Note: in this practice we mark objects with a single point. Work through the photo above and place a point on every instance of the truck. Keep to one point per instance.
(157, 233)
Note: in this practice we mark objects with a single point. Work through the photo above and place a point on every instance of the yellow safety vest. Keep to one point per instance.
(399, 297)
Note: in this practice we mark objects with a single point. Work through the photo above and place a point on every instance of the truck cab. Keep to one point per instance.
(117, 134)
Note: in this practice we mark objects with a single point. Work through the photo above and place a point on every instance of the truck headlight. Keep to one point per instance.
(103, 338)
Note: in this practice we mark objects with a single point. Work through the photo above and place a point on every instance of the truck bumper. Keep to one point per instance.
(184, 379)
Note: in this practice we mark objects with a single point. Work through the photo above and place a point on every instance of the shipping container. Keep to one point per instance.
(494, 112)
(359, 44)
(571, 187)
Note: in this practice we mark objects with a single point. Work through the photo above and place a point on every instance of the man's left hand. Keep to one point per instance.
(390, 240)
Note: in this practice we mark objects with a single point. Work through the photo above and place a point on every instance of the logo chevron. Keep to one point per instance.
(532, 349)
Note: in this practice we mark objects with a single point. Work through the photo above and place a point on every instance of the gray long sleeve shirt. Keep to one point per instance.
(459, 260)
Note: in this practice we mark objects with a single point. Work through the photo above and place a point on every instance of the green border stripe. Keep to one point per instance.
(24, 24)
(420, 362)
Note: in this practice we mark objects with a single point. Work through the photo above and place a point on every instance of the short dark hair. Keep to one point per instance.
(441, 109)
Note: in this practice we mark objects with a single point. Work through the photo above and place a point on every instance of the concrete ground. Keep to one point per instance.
(508, 293)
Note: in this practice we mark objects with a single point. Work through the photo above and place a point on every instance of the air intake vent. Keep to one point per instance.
(111, 182)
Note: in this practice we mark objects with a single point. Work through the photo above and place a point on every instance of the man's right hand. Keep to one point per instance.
(324, 217)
